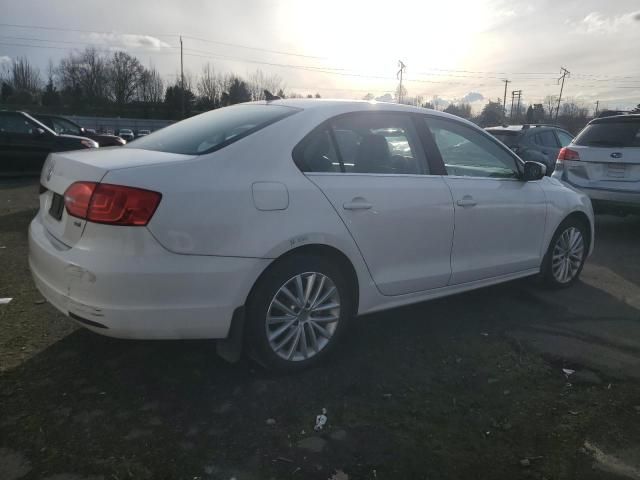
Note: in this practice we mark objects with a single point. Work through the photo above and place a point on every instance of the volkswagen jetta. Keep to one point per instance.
(271, 224)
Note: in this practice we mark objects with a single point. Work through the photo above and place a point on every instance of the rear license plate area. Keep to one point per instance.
(616, 170)
(57, 206)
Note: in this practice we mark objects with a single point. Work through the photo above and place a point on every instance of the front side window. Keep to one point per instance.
(467, 152)
(546, 139)
(61, 125)
(211, 130)
(565, 138)
(370, 142)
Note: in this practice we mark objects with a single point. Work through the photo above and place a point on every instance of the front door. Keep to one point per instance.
(372, 169)
(499, 219)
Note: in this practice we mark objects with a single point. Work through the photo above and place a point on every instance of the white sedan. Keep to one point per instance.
(271, 224)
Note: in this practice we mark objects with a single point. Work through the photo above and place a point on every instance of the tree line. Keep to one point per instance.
(95, 82)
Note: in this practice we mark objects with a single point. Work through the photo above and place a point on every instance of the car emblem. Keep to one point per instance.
(616, 155)
(50, 170)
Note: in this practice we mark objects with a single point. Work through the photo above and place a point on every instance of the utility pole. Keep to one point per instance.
(181, 81)
(565, 73)
(399, 75)
(597, 106)
(504, 100)
(514, 94)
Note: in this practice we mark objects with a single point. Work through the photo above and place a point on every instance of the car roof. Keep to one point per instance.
(631, 118)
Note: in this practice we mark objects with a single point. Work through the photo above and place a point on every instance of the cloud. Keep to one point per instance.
(4, 60)
(128, 40)
(472, 97)
(595, 22)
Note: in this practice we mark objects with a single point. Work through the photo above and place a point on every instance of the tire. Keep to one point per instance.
(565, 269)
(292, 319)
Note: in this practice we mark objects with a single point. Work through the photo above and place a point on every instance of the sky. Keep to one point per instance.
(455, 50)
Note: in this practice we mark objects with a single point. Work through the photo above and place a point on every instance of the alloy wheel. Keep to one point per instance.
(568, 254)
(303, 316)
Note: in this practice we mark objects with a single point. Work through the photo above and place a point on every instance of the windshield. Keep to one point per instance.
(610, 134)
(212, 130)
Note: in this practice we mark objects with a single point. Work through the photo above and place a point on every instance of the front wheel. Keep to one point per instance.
(298, 312)
(566, 254)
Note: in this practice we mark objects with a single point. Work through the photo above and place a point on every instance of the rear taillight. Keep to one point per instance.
(111, 204)
(568, 154)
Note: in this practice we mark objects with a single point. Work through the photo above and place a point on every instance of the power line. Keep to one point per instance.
(227, 44)
(237, 45)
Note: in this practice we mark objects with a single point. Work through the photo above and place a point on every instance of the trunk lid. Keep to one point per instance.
(64, 168)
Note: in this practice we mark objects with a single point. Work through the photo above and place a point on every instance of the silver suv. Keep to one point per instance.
(604, 162)
(534, 142)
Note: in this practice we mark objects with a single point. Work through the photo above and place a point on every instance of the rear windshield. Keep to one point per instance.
(510, 139)
(610, 134)
(212, 130)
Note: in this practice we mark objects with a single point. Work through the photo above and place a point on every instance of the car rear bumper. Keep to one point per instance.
(142, 292)
(606, 197)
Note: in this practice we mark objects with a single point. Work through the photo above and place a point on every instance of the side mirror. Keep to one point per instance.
(37, 132)
(533, 171)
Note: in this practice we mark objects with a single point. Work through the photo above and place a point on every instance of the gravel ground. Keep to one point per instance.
(468, 387)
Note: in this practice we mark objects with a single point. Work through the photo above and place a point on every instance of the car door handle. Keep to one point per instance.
(467, 201)
(357, 204)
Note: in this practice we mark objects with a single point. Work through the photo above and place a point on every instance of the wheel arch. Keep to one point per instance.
(324, 250)
(584, 219)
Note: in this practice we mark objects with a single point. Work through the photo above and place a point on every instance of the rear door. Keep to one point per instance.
(609, 156)
(499, 219)
(548, 145)
(371, 167)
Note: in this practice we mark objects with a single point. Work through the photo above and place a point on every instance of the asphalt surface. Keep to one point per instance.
(512, 381)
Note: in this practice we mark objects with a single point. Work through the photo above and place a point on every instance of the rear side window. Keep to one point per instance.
(212, 130)
(610, 134)
(546, 139)
(565, 138)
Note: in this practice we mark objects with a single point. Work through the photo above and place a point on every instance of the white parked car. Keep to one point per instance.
(272, 224)
(604, 162)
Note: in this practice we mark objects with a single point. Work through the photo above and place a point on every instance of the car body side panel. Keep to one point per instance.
(560, 205)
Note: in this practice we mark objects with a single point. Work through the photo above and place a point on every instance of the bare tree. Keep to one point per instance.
(87, 72)
(126, 75)
(23, 76)
(549, 103)
(210, 86)
(258, 82)
(151, 87)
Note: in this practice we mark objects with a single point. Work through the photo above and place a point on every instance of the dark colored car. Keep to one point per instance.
(536, 142)
(68, 127)
(126, 133)
(25, 143)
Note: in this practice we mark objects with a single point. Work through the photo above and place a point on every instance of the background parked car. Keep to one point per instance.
(604, 162)
(143, 132)
(25, 143)
(537, 142)
(65, 126)
(125, 134)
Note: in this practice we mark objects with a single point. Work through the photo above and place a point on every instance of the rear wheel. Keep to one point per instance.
(566, 254)
(298, 312)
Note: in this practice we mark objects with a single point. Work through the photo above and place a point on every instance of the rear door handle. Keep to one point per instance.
(357, 204)
(467, 201)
